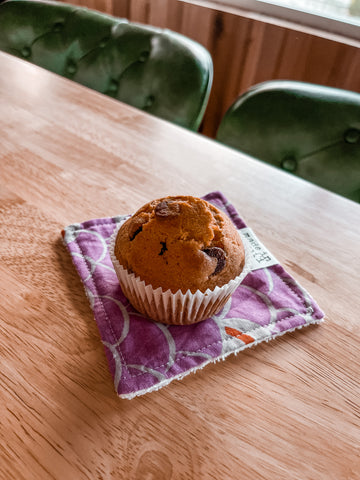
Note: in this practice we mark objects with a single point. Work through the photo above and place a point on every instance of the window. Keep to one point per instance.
(334, 16)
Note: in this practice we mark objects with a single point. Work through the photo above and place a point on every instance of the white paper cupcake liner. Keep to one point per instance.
(174, 308)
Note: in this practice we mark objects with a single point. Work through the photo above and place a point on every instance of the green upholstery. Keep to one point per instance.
(153, 69)
(310, 130)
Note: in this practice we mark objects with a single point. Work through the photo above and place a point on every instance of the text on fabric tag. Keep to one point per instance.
(260, 255)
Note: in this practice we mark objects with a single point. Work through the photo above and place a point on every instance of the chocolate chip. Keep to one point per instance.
(133, 235)
(167, 209)
(163, 248)
(219, 254)
(136, 227)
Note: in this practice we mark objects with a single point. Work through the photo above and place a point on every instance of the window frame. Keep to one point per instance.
(338, 26)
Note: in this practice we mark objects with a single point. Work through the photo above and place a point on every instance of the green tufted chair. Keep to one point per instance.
(153, 69)
(309, 130)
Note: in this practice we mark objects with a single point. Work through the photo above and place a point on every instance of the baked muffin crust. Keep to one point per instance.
(180, 243)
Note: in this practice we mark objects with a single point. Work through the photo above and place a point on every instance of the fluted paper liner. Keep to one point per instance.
(174, 308)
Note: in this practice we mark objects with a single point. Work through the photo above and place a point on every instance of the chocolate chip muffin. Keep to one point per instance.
(180, 243)
(178, 259)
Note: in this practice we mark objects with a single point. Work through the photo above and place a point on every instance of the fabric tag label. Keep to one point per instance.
(260, 255)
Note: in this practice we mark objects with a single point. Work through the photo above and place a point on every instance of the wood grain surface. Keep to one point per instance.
(288, 409)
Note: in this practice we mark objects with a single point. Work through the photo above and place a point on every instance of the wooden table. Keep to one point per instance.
(288, 409)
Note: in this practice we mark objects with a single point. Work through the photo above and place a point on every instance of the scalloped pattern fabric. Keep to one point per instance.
(143, 355)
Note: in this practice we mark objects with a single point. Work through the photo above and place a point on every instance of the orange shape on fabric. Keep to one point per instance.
(237, 334)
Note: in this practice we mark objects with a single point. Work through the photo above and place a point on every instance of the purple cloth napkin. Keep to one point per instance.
(144, 355)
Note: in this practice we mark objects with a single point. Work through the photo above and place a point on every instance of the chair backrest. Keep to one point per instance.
(157, 70)
(310, 130)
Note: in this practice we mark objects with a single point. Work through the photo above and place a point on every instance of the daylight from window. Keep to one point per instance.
(333, 16)
(343, 9)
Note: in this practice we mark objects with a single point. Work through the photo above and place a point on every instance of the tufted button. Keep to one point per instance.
(352, 135)
(289, 164)
(26, 52)
(103, 42)
(58, 27)
(144, 56)
(71, 67)
(149, 101)
(114, 85)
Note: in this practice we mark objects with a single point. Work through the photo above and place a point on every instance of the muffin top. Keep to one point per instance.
(180, 243)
